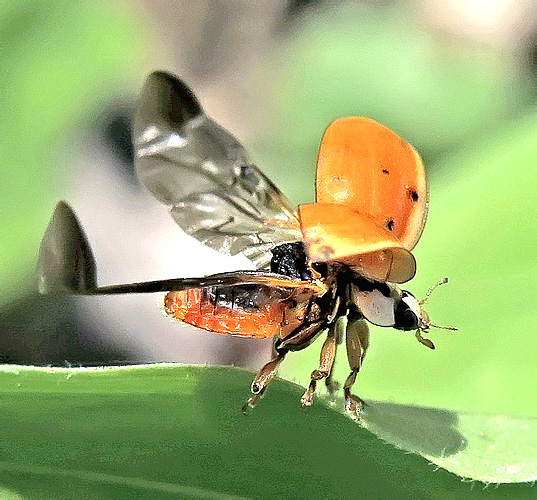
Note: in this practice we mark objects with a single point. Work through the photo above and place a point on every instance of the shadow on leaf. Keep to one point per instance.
(427, 431)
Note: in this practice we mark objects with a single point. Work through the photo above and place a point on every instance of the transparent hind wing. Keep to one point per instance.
(203, 173)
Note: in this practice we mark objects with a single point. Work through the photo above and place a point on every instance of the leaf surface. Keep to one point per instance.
(168, 431)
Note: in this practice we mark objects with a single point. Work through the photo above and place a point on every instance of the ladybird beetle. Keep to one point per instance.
(329, 266)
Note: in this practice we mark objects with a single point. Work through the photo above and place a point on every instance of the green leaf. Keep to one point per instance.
(169, 431)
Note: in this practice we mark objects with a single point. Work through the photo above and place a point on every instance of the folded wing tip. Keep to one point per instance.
(66, 262)
(166, 96)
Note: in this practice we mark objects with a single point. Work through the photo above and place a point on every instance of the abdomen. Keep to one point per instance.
(244, 310)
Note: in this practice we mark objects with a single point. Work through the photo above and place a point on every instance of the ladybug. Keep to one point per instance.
(327, 267)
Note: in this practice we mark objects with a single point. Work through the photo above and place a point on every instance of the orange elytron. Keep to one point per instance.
(328, 266)
(368, 167)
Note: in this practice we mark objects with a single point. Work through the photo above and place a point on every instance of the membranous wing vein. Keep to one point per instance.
(203, 173)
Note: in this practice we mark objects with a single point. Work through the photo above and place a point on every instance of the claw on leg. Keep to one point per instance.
(307, 398)
(251, 402)
(354, 405)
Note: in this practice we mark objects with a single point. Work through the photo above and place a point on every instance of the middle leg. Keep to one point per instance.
(326, 361)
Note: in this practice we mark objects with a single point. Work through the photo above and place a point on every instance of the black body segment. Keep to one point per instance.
(289, 259)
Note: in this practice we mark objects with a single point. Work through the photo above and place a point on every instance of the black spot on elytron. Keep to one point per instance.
(390, 223)
(413, 194)
(385, 171)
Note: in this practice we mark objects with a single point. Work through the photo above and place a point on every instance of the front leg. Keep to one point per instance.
(357, 338)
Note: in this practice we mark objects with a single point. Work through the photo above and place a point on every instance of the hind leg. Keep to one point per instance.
(262, 379)
(296, 342)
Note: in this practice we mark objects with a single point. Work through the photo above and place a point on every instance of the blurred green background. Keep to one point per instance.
(458, 84)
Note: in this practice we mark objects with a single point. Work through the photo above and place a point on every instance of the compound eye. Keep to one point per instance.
(405, 317)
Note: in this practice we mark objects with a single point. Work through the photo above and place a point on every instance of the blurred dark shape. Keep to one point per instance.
(216, 42)
(40, 330)
(533, 60)
(296, 8)
(116, 127)
(209, 58)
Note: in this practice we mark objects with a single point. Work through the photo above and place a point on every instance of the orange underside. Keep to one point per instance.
(274, 319)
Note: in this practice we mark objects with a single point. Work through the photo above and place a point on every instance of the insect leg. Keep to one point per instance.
(357, 338)
(326, 361)
(333, 385)
(301, 339)
(262, 379)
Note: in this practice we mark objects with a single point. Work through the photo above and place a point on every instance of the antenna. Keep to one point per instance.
(424, 301)
(452, 328)
(441, 282)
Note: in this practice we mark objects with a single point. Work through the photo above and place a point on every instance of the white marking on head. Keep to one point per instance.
(375, 307)
(414, 304)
